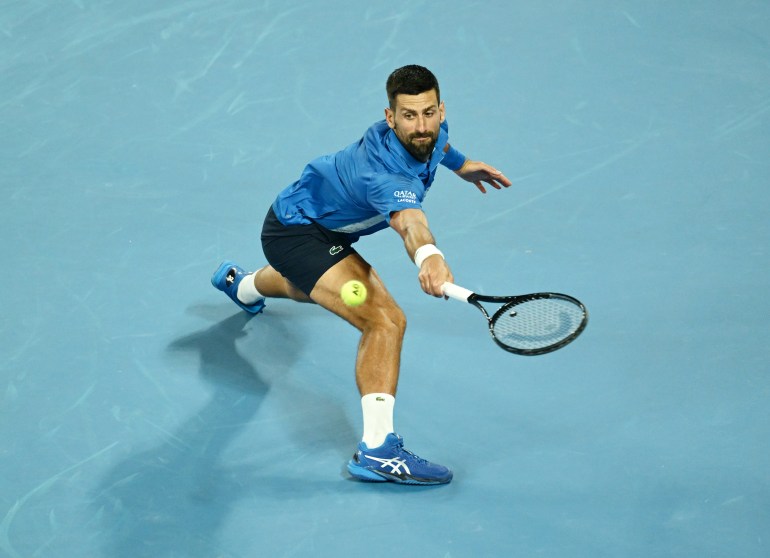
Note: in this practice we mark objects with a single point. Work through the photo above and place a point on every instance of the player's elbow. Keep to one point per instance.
(408, 219)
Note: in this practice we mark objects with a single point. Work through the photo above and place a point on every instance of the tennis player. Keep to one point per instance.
(377, 182)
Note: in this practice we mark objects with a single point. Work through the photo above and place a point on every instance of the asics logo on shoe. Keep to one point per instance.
(334, 250)
(394, 463)
(230, 277)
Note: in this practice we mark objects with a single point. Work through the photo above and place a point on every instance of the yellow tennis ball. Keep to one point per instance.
(353, 293)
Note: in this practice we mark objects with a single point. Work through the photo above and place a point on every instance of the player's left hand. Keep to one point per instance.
(478, 172)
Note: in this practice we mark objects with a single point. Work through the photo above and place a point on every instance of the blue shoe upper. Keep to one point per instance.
(392, 462)
(226, 278)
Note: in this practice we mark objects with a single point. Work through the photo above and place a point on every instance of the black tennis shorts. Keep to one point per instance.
(302, 253)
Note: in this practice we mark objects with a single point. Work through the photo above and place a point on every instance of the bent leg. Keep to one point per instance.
(380, 320)
(272, 284)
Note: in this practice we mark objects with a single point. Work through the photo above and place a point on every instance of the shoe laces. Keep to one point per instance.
(416, 457)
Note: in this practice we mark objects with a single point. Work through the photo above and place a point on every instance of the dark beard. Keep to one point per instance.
(422, 151)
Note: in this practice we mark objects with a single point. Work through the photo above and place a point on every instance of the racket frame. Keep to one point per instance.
(459, 293)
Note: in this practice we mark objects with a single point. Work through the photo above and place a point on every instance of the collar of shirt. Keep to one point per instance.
(409, 163)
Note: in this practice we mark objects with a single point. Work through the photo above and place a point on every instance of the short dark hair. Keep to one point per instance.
(410, 80)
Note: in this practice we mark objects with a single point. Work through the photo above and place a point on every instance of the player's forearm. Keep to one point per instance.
(417, 235)
(412, 225)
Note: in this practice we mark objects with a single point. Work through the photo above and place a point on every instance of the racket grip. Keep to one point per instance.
(456, 292)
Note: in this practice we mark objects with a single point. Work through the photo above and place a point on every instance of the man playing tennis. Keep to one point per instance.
(378, 182)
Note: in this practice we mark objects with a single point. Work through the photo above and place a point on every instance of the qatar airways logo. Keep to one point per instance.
(405, 196)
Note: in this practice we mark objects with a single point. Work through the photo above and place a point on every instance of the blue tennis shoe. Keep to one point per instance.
(226, 278)
(391, 462)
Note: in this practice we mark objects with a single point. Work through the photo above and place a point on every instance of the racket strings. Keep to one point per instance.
(539, 323)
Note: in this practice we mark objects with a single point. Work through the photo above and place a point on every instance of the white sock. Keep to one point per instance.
(247, 292)
(378, 417)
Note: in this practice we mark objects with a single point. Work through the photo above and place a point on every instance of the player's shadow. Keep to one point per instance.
(171, 499)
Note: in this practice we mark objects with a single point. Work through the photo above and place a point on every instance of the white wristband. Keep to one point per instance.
(425, 251)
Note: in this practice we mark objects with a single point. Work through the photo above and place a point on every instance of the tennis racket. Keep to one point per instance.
(531, 324)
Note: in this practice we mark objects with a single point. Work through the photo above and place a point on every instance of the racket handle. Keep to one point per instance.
(456, 292)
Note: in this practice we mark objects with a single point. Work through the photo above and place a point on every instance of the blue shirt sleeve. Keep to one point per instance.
(390, 193)
(453, 159)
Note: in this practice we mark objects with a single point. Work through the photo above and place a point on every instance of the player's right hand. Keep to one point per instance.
(433, 274)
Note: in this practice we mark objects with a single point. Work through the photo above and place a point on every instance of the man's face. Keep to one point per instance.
(416, 120)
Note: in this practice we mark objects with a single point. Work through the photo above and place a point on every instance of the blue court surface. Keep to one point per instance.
(143, 415)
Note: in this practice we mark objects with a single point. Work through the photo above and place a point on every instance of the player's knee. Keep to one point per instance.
(392, 319)
(397, 318)
(296, 294)
(386, 318)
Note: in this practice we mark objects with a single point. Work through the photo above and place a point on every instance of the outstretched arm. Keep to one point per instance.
(412, 226)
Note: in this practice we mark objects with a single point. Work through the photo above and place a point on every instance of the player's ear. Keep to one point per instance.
(441, 111)
(390, 118)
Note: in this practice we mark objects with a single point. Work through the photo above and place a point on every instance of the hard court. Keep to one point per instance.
(142, 414)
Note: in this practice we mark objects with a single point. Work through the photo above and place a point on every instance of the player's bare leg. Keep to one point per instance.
(272, 284)
(380, 455)
(380, 320)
